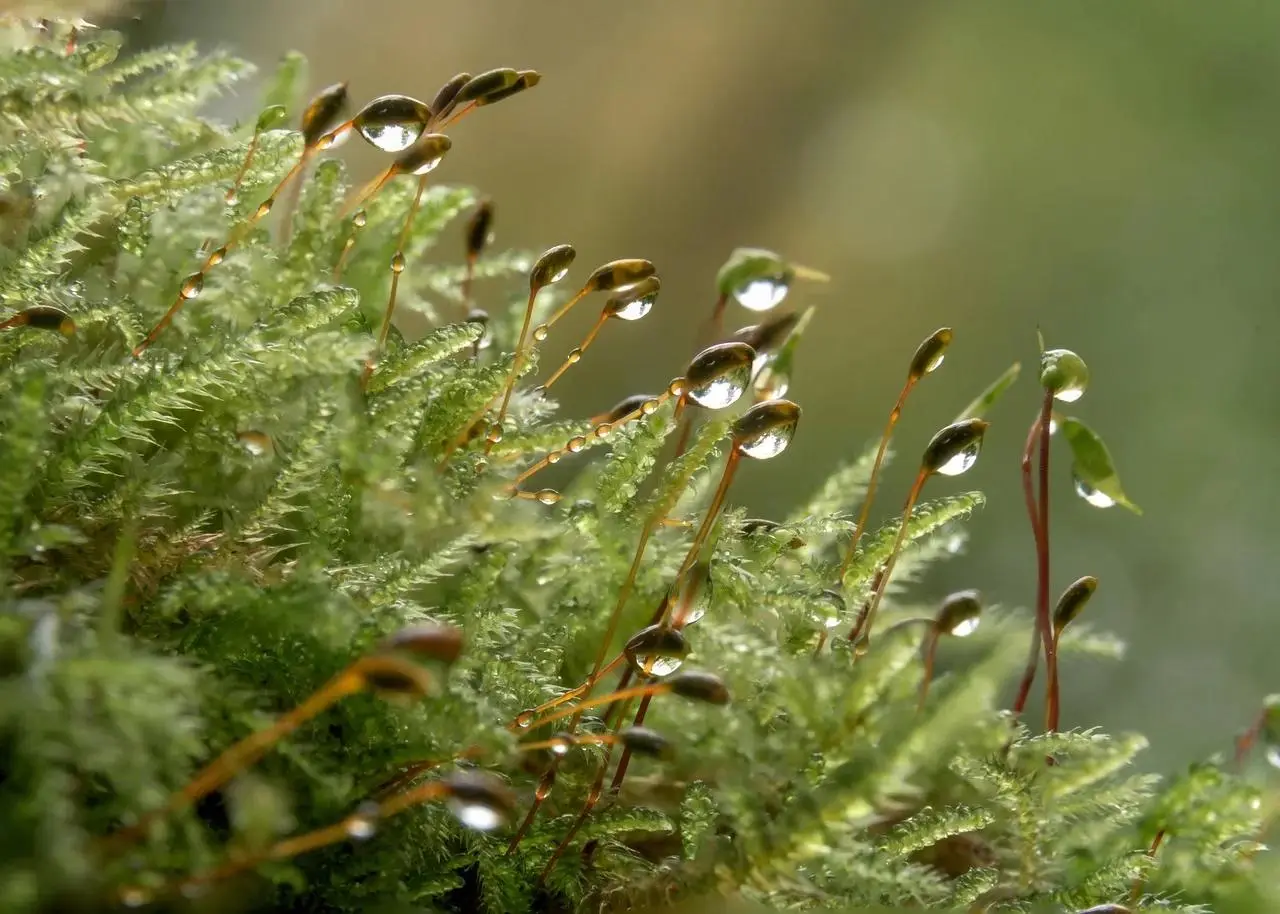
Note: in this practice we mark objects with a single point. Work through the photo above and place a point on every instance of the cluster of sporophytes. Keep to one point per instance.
(286, 620)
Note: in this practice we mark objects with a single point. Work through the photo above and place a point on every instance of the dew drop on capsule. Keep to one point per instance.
(576, 444)
(660, 665)
(496, 431)
(362, 825)
(264, 208)
(524, 719)
(192, 286)
(1069, 394)
(360, 218)
(540, 332)
(392, 123)
(723, 390)
(475, 814)
(966, 628)
(1092, 495)
(762, 294)
(962, 461)
(547, 496)
(397, 262)
(217, 256)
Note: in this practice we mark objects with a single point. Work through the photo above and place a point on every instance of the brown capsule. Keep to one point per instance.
(959, 614)
(930, 353)
(768, 336)
(699, 686)
(447, 95)
(955, 449)
(42, 317)
(624, 407)
(766, 429)
(393, 677)
(1072, 602)
(635, 301)
(644, 741)
(552, 266)
(479, 799)
(656, 641)
(323, 112)
(424, 155)
(528, 79)
(486, 83)
(437, 642)
(618, 274)
(719, 360)
(479, 228)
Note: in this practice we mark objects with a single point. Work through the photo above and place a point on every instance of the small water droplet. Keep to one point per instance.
(480, 465)
(540, 332)
(255, 443)
(676, 387)
(192, 286)
(547, 496)
(553, 458)
(472, 814)
(217, 256)
(961, 461)
(574, 356)
(955, 544)
(232, 197)
(264, 207)
(659, 665)
(603, 429)
(649, 407)
(525, 718)
(363, 825)
(761, 294)
(576, 444)
(134, 897)
(561, 743)
(1092, 495)
(360, 218)
(397, 262)
(496, 431)
(1053, 426)
(771, 385)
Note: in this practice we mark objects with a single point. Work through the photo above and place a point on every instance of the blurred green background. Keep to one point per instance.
(1106, 171)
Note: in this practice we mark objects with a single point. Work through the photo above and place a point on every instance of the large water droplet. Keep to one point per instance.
(962, 461)
(658, 665)
(636, 302)
(761, 294)
(1092, 495)
(540, 332)
(192, 286)
(561, 743)
(1070, 393)
(722, 391)
(769, 443)
(770, 384)
(479, 816)
(392, 123)
(966, 627)
(547, 496)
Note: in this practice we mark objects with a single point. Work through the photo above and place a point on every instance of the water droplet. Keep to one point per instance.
(1053, 426)
(363, 824)
(255, 443)
(540, 332)
(636, 301)
(480, 465)
(718, 375)
(1092, 495)
(1069, 394)
(676, 387)
(217, 256)
(134, 897)
(397, 263)
(1272, 754)
(649, 407)
(360, 218)
(962, 461)
(603, 429)
(264, 207)
(480, 816)
(561, 743)
(658, 665)
(424, 155)
(525, 718)
(574, 356)
(722, 391)
(770, 384)
(232, 197)
(547, 496)
(192, 286)
(966, 628)
(553, 458)
(761, 294)
(829, 609)
(765, 430)
(496, 431)
(392, 123)
(575, 445)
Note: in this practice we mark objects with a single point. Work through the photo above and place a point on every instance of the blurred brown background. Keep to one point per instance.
(1105, 170)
